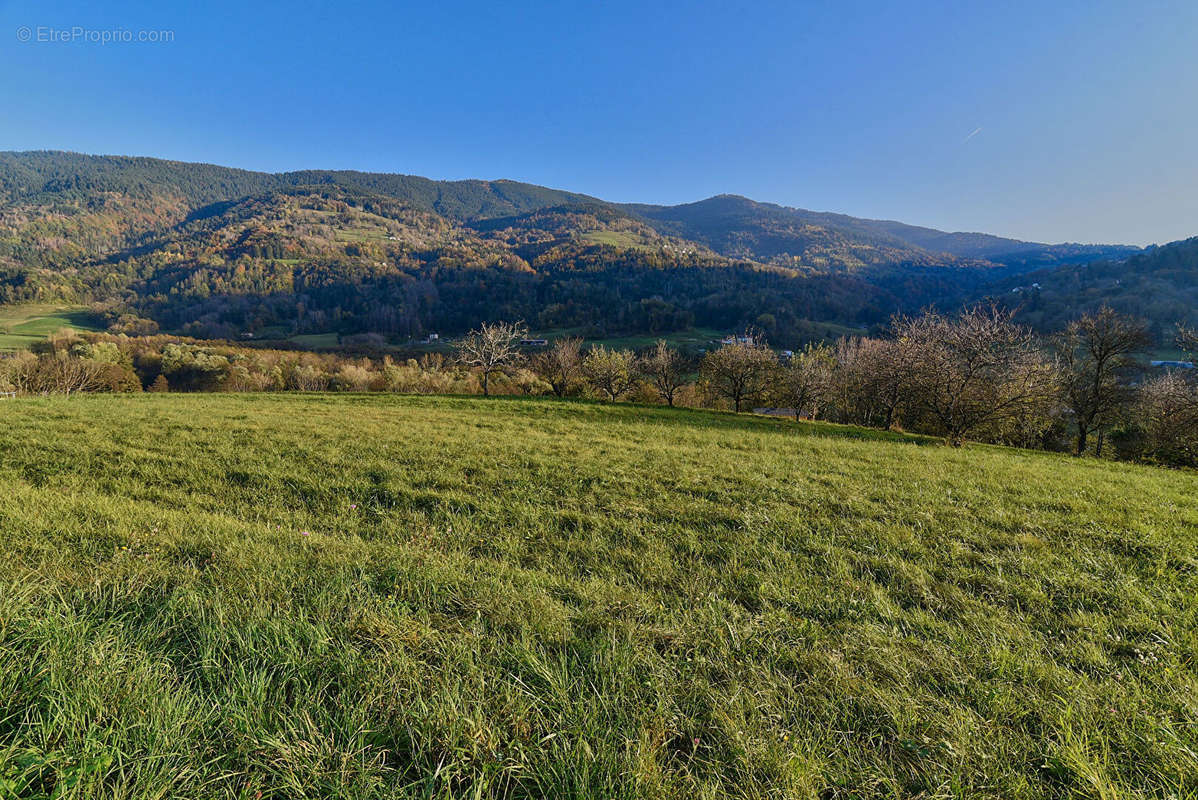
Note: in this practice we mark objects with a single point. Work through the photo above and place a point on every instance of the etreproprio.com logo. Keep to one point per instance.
(79, 34)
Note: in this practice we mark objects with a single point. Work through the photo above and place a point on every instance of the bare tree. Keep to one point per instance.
(666, 370)
(1187, 340)
(610, 371)
(803, 384)
(1167, 411)
(870, 382)
(59, 372)
(561, 365)
(491, 348)
(977, 370)
(740, 372)
(1096, 353)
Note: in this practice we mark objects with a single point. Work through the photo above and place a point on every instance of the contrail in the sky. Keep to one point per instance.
(973, 133)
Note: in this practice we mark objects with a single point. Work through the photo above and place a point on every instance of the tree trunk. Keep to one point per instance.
(1082, 435)
(486, 388)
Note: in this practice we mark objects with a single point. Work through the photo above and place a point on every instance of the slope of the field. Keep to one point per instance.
(23, 325)
(314, 596)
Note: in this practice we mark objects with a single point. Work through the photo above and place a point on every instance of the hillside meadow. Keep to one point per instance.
(319, 596)
(23, 325)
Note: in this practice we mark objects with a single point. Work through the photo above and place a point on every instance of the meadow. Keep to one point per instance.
(346, 596)
(23, 325)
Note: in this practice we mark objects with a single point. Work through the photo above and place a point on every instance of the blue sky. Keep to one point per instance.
(1050, 121)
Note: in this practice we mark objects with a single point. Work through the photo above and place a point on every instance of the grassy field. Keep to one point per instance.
(689, 340)
(618, 239)
(316, 340)
(22, 325)
(222, 596)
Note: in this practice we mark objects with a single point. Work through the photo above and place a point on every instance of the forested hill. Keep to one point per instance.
(1159, 285)
(216, 251)
(56, 177)
(740, 227)
(734, 226)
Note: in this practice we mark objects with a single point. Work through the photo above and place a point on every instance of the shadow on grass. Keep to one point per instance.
(698, 417)
(81, 319)
(595, 411)
(49, 323)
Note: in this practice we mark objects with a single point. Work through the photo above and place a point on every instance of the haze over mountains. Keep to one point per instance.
(218, 251)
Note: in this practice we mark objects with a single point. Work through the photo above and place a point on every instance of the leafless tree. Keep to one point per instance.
(611, 372)
(805, 382)
(561, 365)
(871, 380)
(1187, 340)
(977, 370)
(666, 370)
(1096, 354)
(491, 348)
(1167, 411)
(59, 372)
(740, 372)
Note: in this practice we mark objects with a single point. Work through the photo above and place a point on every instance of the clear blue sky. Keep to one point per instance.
(1051, 121)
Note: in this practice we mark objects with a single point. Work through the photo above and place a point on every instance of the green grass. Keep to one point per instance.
(325, 340)
(616, 239)
(223, 596)
(23, 325)
(691, 339)
(1167, 354)
(361, 234)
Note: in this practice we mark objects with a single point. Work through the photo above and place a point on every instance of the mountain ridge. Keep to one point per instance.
(474, 199)
(218, 251)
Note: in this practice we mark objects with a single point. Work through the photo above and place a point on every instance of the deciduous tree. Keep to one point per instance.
(561, 365)
(740, 372)
(1096, 354)
(490, 348)
(666, 370)
(1167, 413)
(976, 370)
(803, 383)
(611, 372)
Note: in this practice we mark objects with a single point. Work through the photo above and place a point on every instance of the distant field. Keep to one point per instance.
(1168, 354)
(316, 596)
(692, 339)
(361, 234)
(22, 325)
(614, 238)
(318, 340)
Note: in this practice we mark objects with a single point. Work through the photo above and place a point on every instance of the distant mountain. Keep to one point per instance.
(739, 227)
(216, 251)
(1159, 285)
(51, 176)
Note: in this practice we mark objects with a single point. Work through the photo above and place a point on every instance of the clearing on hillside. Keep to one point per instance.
(223, 596)
(23, 325)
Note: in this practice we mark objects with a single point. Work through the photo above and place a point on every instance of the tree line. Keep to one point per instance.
(974, 376)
